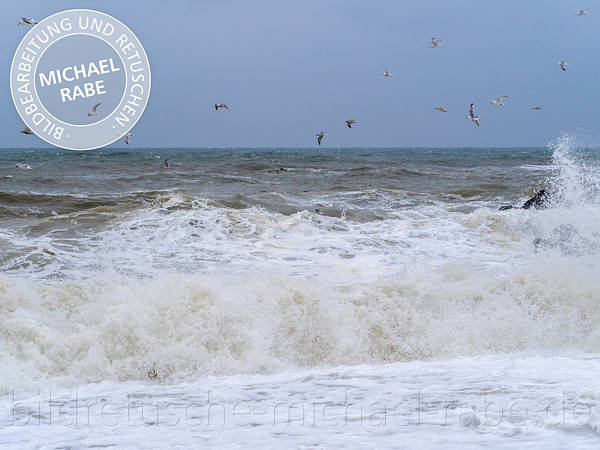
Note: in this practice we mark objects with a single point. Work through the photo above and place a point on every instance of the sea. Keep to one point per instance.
(305, 298)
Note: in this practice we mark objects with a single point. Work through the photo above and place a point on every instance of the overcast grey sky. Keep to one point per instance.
(288, 69)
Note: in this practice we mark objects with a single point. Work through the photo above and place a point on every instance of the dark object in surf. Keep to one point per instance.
(538, 201)
(568, 240)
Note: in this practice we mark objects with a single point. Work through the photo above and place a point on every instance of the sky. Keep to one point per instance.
(289, 69)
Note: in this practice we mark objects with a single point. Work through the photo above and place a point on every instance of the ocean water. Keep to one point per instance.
(300, 298)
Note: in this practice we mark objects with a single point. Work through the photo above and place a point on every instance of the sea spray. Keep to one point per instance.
(576, 179)
(569, 224)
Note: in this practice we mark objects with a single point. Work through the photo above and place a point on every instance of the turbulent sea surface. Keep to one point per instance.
(364, 298)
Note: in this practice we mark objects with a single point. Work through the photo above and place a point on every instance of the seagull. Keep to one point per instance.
(320, 136)
(435, 42)
(386, 73)
(562, 65)
(472, 115)
(126, 137)
(537, 108)
(581, 12)
(498, 100)
(441, 108)
(23, 166)
(94, 110)
(27, 130)
(350, 122)
(26, 21)
(220, 105)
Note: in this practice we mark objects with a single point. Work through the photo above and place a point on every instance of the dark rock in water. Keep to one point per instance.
(560, 237)
(538, 201)
(568, 240)
(541, 243)
(565, 232)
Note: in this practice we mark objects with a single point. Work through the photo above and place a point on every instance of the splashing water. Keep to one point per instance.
(577, 178)
(570, 224)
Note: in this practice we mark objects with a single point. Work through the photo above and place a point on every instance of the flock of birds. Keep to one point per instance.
(435, 43)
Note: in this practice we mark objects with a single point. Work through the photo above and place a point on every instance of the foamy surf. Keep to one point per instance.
(372, 281)
(181, 327)
(503, 400)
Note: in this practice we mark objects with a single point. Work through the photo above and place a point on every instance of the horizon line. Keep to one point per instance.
(280, 147)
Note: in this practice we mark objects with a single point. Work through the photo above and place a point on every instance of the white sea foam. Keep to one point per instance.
(181, 326)
(494, 401)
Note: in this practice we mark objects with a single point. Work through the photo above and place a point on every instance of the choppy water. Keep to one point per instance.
(144, 278)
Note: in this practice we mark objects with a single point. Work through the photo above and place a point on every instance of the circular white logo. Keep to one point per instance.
(80, 79)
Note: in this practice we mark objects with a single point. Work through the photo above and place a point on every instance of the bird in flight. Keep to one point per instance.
(220, 105)
(441, 108)
(537, 108)
(320, 136)
(386, 73)
(350, 122)
(498, 101)
(472, 115)
(581, 12)
(435, 43)
(563, 65)
(126, 137)
(94, 110)
(26, 21)
(27, 130)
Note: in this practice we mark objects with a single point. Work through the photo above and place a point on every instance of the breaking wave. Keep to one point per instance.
(182, 287)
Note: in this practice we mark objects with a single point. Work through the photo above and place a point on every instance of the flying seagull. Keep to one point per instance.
(537, 108)
(386, 73)
(27, 130)
(94, 110)
(581, 12)
(498, 101)
(126, 137)
(435, 42)
(563, 65)
(320, 136)
(350, 122)
(441, 108)
(26, 21)
(220, 105)
(472, 115)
